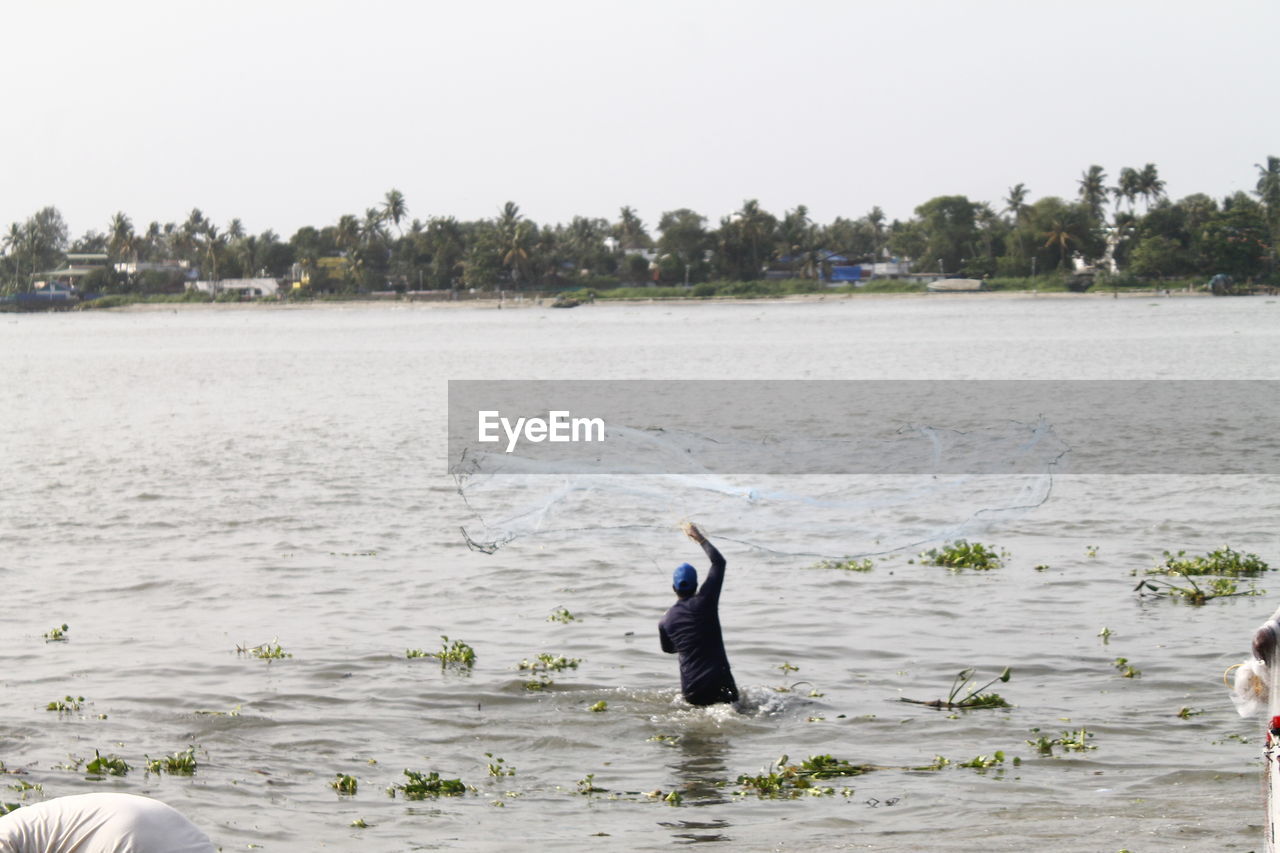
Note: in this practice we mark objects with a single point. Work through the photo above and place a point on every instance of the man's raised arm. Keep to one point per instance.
(715, 578)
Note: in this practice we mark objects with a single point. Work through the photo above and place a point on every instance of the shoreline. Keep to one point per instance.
(517, 303)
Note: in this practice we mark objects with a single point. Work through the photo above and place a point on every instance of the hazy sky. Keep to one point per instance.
(294, 113)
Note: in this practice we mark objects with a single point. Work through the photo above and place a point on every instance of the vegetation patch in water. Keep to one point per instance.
(421, 786)
(499, 766)
(106, 765)
(456, 654)
(562, 615)
(345, 784)
(1071, 741)
(178, 764)
(848, 564)
(1192, 593)
(782, 780)
(266, 651)
(974, 697)
(965, 555)
(1223, 562)
(587, 786)
(66, 704)
(542, 665)
(1127, 670)
(56, 635)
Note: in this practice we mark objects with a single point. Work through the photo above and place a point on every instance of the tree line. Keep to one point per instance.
(1131, 224)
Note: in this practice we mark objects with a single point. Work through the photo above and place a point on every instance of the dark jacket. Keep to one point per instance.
(691, 629)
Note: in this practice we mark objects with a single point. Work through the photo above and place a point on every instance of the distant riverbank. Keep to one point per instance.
(521, 302)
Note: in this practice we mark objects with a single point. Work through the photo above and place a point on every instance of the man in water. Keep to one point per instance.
(691, 629)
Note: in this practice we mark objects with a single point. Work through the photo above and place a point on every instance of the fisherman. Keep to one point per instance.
(87, 823)
(691, 629)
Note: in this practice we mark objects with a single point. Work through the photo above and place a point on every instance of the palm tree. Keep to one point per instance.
(875, 221)
(1061, 235)
(1093, 190)
(394, 207)
(347, 233)
(1149, 185)
(629, 230)
(1269, 191)
(516, 256)
(1128, 188)
(371, 229)
(508, 218)
(987, 221)
(214, 244)
(757, 228)
(121, 240)
(1015, 203)
(1269, 184)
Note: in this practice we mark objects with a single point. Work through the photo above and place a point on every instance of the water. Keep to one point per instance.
(180, 484)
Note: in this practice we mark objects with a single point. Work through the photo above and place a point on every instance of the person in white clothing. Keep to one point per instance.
(100, 823)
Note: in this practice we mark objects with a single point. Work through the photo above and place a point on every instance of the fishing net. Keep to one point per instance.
(805, 512)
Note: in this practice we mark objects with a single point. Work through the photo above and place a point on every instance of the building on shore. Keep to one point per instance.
(245, 288)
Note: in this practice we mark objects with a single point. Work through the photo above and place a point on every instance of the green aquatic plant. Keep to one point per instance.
(66, 704)
(178, 764)
(1224, 561)
(456, 654)
(782, 780)
(599, 706)
(673, 799)
(1193, 593)
(984, 762)
(561, 615)
(499, 766)
(359, 823)
(56, 635)
(829, 767)
(974, 698)
(965, 555)
(848, 564)
(1071, 741)
(1105, 634)
(1185, 713)
(266, 651)
(1091, 552)
(421, 786)
(587, 786)
(346, 785)
(1127, 670)
(543, 664)
(108, 765)
(23, 787)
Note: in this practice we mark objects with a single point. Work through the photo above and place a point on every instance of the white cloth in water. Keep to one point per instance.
(100, 823)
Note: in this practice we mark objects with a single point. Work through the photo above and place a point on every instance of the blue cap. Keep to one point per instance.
(685, 578)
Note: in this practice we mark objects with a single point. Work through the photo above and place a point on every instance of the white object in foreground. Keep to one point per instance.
(100, 823)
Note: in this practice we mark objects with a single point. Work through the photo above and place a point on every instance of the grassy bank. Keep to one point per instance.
(761, 289)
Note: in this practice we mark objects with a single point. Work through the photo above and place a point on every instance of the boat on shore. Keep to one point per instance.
(955, 285)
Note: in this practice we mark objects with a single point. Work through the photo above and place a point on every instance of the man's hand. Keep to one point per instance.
(691, 530)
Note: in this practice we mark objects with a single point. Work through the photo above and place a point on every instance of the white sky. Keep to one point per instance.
(294, 113)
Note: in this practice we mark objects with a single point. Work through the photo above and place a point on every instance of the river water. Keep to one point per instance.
(181, 484)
